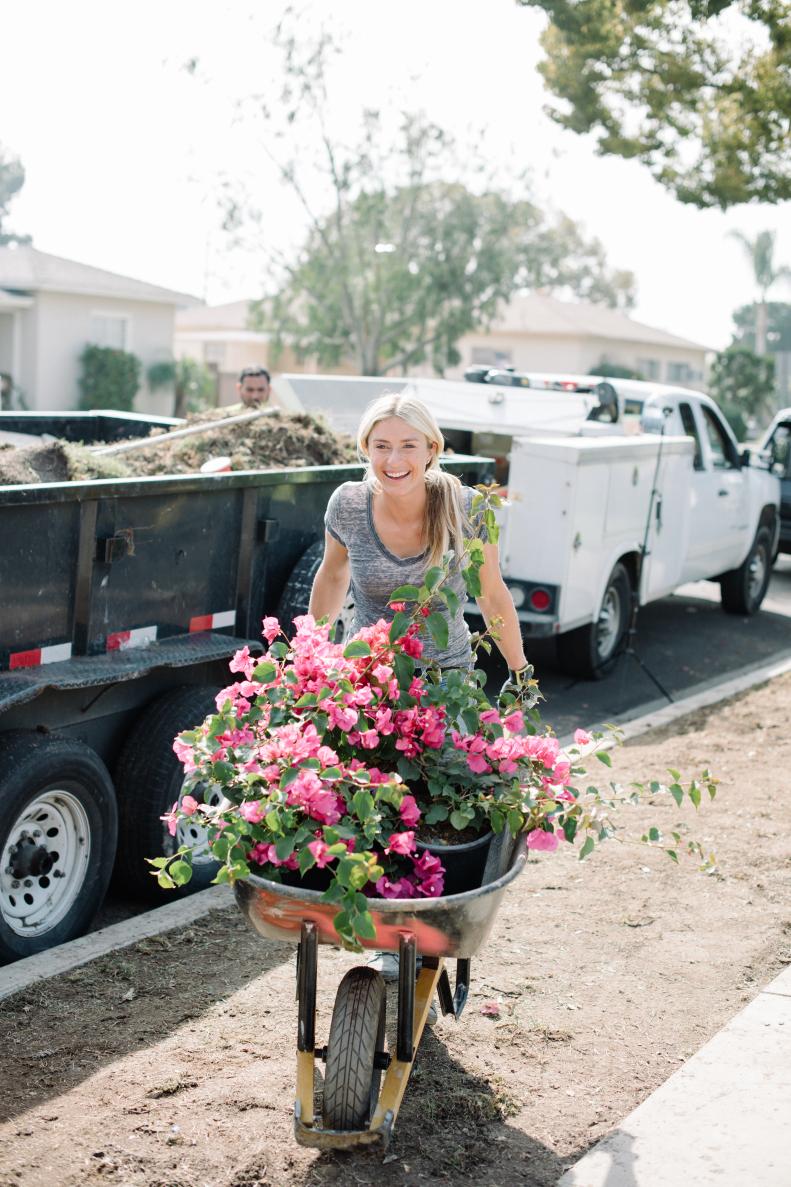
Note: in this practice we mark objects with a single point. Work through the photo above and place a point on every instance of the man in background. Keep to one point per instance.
(254, 387)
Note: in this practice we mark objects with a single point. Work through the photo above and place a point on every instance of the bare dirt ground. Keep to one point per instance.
(171, 1064)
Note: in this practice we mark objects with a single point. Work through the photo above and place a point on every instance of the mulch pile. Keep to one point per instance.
(270, 443)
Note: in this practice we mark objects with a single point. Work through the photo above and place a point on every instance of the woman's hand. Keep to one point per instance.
(522, 687)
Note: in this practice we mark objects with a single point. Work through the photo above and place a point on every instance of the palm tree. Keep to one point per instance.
(760, 251)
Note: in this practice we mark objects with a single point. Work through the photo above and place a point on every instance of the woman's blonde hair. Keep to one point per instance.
(445, 516)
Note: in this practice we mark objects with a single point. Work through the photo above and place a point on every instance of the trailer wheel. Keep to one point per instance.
(296, 596)
(57, 840)
(149, 779)
(591, 651)
(743, 590)
(357, 1032)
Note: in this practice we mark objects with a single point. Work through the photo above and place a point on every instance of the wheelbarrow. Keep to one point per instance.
(358, 1109)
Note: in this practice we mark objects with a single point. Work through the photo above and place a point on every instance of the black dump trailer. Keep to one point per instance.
(121, 601)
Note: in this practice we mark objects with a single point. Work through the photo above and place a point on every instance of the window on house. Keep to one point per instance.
(679, 372)
(110, 329)
(649, 368)
(486, 356)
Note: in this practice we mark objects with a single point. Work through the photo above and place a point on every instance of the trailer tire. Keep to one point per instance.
(296, 596)
(57, 840)
(357, 1032)
(743, 590)
(149, 779)
(591, 651)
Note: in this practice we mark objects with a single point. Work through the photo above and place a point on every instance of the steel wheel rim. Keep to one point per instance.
(757, 571)
(192, 832)
(44, 863)
(608, 624)
(344, 622)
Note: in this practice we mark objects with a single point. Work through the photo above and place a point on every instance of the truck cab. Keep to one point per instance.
(776, 445)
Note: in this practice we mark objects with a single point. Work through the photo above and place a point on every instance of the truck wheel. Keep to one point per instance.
(57, 840)
(149, 779)
(591, 651)
(357, 1031)
(296, 595)
(743, 590)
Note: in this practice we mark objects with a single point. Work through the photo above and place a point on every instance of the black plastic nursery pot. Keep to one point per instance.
(464, 863)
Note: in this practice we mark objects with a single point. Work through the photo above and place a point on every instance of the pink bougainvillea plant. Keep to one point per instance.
(337, 755)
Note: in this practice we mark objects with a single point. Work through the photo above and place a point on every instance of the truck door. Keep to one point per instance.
(719, 523)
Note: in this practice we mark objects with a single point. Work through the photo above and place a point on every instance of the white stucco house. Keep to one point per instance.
(541, 333)
(531, 333)
(51, 308)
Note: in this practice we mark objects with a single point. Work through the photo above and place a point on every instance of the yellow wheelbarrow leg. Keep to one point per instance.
(305, 1079)
(397, 1075)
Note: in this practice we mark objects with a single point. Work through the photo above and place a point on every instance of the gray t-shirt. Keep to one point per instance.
(376, 572)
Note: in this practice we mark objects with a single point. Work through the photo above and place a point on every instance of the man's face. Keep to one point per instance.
(253, 390)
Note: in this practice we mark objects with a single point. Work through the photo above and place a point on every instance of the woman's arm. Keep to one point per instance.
(331, 581)
(496, 602)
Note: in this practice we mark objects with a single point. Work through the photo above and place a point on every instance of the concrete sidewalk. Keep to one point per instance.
(719, 1121)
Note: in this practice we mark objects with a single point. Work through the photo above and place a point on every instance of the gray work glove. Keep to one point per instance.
(520, 690)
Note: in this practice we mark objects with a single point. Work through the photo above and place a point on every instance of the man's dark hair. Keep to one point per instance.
(253, 373)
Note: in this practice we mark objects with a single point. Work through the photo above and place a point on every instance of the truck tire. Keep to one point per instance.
(743, 590)
(57, 840)
(591, 651)
(357, 1031)
(149, 779)
(296, 596)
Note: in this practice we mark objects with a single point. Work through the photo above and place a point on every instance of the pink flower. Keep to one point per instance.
(491, 1009)
(399, 607)
(489, 715)
(411, 646)
(478, 764)
(582, 738)
(183, 752)
(271, 629)
(514, 722)
(409, 811)
(382, 673)
(253, 813)
(319, 850)
(326, 756)
(369, 739)
(427, 865)
(403, 843)
(171, 819)
(402, 888)
(189, 805)
(540, 840)
(243, 662)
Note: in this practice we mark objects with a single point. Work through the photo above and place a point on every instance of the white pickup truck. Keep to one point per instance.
(617, 490)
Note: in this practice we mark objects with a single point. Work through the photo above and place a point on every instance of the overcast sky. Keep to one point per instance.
(124, 149)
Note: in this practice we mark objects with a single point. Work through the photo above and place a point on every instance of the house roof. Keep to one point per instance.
(29, 270)
(234, 315)
(539, 314)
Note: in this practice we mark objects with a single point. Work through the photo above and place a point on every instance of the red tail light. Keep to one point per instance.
(540, 600)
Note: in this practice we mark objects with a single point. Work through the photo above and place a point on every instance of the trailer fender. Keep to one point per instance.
(296, 595)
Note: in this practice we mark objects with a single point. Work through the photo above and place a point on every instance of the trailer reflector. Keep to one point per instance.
(213, 622)
(139, 636)
(40, 655)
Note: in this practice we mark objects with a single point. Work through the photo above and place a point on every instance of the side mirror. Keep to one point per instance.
(778, 451)
(744, 458)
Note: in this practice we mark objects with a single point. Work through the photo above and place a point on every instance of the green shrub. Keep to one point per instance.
(109, 379)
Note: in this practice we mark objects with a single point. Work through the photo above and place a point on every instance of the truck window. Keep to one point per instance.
(720, 446)
(691, 430)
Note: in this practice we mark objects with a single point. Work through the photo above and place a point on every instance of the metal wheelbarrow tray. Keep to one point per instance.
(355, 1112)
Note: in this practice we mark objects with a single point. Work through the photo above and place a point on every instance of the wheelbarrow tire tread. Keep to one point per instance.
(351, 1083)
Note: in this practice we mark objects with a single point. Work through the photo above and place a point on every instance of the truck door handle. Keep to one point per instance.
(723, 493)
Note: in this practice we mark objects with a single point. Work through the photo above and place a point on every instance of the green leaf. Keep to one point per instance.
(264, 672)
(694, 794)
(570, 828)
(587, 848)
(605, 757)
(438, 626)
(181, 872)
(458, 819)
(284, 847)
(364, 925)
(398, 626)
(654, 834)
(307, 698)
(436, 813)
(677, 793)
(404, 668)
(404, 593)
(433, 577)
(306, 860)
(362, 804)
(451, 600)
(356, 649)
(472, 581)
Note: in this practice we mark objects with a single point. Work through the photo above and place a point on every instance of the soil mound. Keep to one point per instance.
(274, 441)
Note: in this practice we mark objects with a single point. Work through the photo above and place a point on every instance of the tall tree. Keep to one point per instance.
(399, 262)
(12, 178)
(778, 326)
(698, 90)
(760, 251)
(743, 384)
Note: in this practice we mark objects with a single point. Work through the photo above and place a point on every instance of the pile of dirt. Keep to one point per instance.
(274, 441)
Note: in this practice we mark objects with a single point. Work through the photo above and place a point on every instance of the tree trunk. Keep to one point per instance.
(761, 326)
(180, 401)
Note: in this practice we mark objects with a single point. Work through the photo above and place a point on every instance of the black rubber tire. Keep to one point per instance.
(31, 766)
(148, 780)
(357, 1032)
(743, 590)
(296, 596)
(581, 652)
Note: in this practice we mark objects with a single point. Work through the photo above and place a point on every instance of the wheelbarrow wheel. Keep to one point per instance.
(357, 1032)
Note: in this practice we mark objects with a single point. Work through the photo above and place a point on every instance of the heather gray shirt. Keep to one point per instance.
(376, 572)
